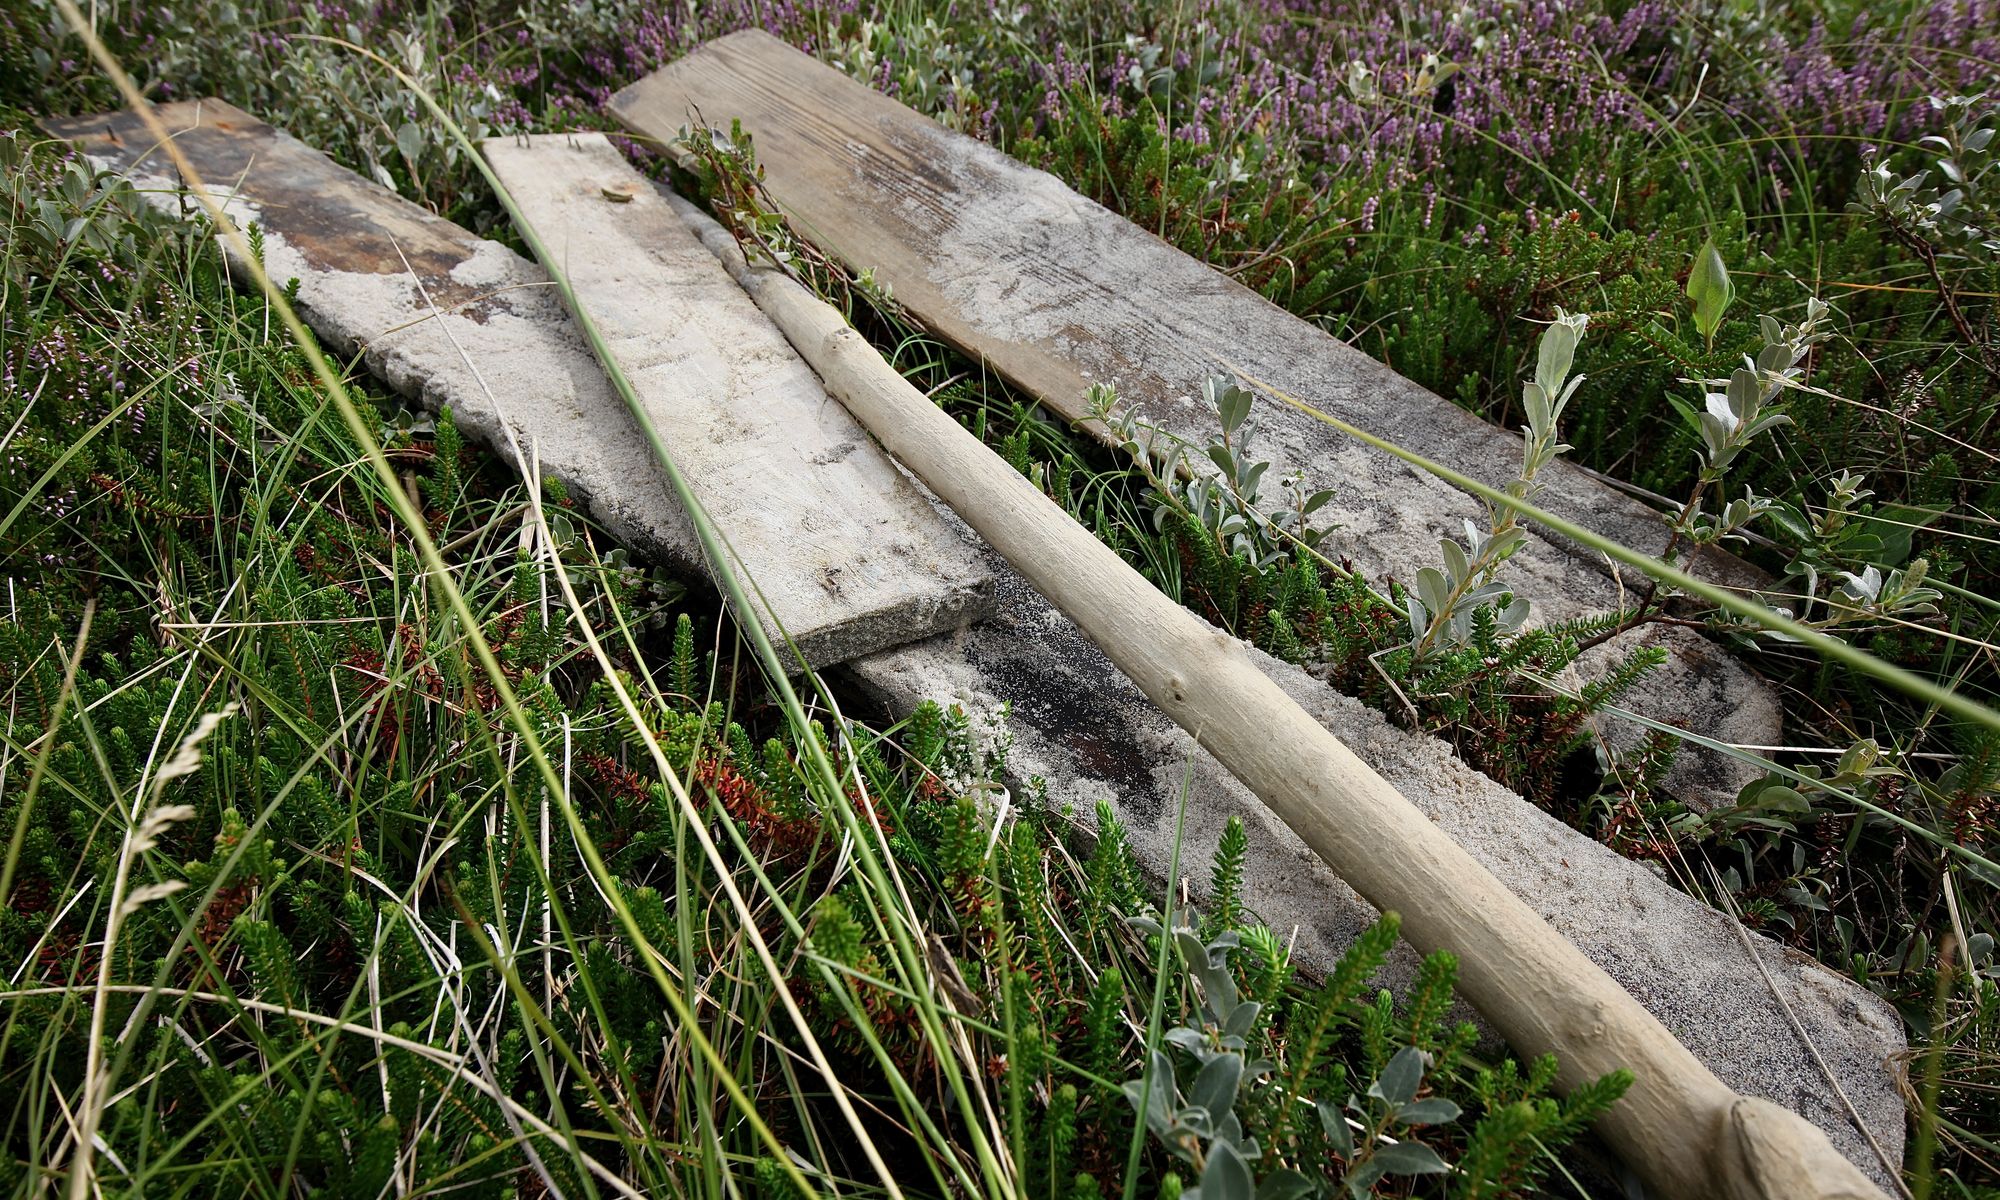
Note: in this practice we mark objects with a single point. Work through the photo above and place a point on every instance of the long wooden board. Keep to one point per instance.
(848, 556)
(826, 525)
(1055, 292)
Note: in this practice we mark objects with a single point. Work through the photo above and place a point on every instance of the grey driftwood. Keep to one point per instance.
(1087, 730)
(1054, 292)
(851, 558)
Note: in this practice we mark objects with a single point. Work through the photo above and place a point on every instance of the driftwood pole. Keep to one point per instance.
(1685, 1131)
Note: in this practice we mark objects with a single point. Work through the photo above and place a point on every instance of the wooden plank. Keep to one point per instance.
(1055, 292)
(834, 535)
(503, 354)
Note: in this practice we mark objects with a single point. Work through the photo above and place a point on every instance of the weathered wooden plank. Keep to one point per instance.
(1055, 293)
(836, 538)
(503, 354)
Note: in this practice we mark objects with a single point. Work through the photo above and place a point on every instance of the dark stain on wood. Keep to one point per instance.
(333, 217)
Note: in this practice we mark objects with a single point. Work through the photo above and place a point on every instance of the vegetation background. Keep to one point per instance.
(296, 900)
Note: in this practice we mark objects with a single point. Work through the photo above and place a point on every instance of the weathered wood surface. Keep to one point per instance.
(1687, 1132)
(1088, 733)
(1055, 293)
(834, 536)
(849, 558)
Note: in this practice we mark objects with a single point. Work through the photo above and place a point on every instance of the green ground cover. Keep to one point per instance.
(361, 946)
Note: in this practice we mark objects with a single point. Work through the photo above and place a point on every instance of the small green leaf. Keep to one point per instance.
(1227, 1175)
(410, 143)
(1745, 393)
(1214, 1086)
(1240, 1022)
(1779, 798)
(1557, 350)
(1399, 1080)
(1894, 526)
(1361, 1180)
(1434, 1111)
(1709, 287)
(1334, 1125)
(1232, 403)
(1431, 585)
(1688, 412)
(1410, 1158)
(1284, 1184)
(1456, 563)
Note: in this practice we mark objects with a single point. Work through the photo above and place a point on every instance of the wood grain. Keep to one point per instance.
(1056, 293)
(839, 543)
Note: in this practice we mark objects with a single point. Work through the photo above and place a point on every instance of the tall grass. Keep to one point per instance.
(248, 567)
(387, 833)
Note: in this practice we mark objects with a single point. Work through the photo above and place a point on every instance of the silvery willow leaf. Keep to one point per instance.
(1409, 1158)
(1709, 287)
(1227, 1176)
(1435, 1110)
(1399, 1080)
(1333, 1123)
(1214, 1086)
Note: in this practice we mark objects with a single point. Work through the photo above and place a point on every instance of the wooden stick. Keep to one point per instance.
(1685, 1131)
